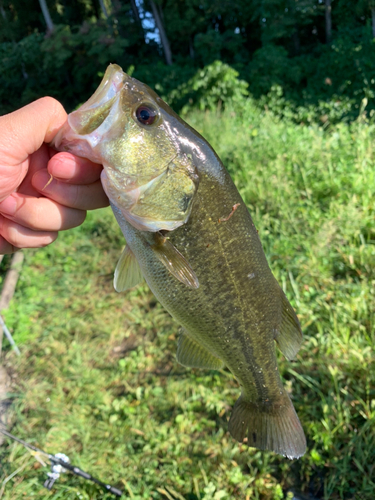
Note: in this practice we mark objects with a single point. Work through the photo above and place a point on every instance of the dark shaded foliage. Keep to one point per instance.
(268, 42)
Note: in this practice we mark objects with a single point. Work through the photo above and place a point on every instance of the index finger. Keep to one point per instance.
(25, 130)
(73, 169)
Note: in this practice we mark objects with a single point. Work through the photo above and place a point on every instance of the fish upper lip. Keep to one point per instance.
(107, 94)
(113, 82)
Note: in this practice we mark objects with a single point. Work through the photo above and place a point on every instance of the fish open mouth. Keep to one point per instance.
(88, 125)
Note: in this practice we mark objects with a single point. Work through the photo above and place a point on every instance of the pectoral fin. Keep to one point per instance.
(175, 262)
(128, 272)
(193, 355)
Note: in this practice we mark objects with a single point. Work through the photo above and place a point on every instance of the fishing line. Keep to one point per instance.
(59, 462)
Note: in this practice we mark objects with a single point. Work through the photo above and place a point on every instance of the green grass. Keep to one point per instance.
(98, 378)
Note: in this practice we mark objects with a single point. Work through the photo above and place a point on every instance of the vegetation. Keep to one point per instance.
(313, 51)
(284, 91)
(98, 378)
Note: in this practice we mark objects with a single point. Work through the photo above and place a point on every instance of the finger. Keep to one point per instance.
(38, 161)
(25, 130)
(84, 197)
(40, 214)
(21, 134)
(73, 169)
(22, 237)
(6, 247)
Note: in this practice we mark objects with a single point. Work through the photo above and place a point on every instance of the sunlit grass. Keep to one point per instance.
(98, 378)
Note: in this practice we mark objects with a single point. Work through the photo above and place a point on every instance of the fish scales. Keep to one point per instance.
(205, 264)
(217, 314)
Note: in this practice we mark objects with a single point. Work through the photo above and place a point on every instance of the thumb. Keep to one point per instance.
(21, 134)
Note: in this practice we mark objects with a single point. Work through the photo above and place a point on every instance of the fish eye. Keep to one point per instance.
(146, 114)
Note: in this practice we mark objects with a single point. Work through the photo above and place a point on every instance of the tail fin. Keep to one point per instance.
(268, 426)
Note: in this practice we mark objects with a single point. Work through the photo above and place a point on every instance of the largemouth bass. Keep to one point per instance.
(190, 235)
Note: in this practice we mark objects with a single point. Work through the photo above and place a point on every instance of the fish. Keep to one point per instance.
(190, 235)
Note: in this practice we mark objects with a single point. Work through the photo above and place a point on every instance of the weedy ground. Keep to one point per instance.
(98, 379)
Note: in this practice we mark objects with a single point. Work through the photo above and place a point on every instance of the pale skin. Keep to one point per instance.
(42, 192)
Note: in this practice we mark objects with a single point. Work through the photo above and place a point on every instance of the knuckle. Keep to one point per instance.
(48, 239)
(52, 104)
(76, 197)
(77, 219)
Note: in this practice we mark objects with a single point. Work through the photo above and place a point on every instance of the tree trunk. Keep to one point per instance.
(137, 18)
(104, 10)
(328, 21)
(373, 20)
(135, 10)
(163, 35)
(3, 13)
(47, 17)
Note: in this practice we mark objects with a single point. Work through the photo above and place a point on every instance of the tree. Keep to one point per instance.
(163, 36)
(328, 21)
(46, 15)
(104, 10)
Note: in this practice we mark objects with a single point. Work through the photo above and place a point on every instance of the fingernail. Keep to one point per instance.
(8, 206)
(62, 165)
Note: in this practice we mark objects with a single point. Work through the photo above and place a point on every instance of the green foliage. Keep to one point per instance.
(98, 378)
(324, 112)
(216, 84)
(272, 66)
(269, 43)
(21, 72)
(65, 64)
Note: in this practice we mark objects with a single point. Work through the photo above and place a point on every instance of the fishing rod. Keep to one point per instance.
(59, 462)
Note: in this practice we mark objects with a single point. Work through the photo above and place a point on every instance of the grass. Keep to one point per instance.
(98, 378)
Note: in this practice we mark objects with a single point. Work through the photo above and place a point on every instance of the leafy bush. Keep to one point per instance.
(66, 65)
(21, 72)
(216, 84)
(324, 112)
(327, 84)
(323, 87)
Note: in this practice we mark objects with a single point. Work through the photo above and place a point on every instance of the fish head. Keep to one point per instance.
(126, 127)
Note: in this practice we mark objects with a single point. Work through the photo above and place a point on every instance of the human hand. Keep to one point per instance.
(32, 209)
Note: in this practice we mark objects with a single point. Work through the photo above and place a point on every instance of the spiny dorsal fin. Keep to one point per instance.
(193, 355)
(127, 272)
(289, 338)
(268, 425)
(175, 262)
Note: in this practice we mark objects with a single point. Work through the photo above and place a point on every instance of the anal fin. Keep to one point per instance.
(193, 355)
(289, 337)
(127, 272)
